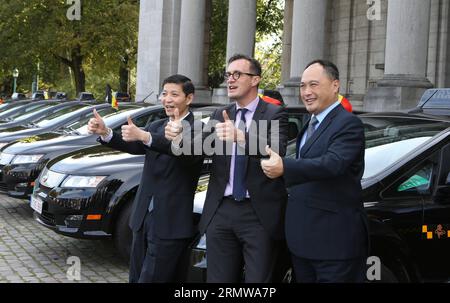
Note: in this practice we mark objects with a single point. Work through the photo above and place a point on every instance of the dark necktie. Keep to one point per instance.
(239, 190)
(311, 127)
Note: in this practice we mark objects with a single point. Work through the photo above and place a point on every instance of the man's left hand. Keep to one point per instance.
(226, 131)
(272, 167)
(131, 132)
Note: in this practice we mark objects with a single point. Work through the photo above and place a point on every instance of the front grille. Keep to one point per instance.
(48, 218)
(3, 187)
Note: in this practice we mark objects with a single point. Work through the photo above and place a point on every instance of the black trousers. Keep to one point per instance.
(157, 260)
(237, 242)
(329, 271)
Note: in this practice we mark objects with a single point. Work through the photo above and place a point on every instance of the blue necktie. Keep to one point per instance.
(239, 190)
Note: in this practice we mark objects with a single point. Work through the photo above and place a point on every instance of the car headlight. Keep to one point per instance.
(5, 158)
(82, 181)
(21, 159)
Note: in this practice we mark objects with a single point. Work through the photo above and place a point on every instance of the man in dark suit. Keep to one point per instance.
(326, 226)
(161, 219)
(244, 210)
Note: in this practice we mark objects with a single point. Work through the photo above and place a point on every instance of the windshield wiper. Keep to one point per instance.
(70, 130)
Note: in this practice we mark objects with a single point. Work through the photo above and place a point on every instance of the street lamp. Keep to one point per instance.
(15, 76)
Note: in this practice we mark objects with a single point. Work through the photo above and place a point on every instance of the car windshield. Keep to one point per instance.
(20, 116)
(60, 115)
(110, 119)
(388, 139)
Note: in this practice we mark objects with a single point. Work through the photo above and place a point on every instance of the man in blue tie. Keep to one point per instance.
(326, 226)
(244, 209)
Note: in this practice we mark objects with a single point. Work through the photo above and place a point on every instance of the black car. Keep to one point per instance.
(406, 193)
(7, 105)
(19, 113)
(102, 208)
(434, 101)
(27, 157)
(56, 121)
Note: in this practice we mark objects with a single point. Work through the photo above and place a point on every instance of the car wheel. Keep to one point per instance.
(123, 235)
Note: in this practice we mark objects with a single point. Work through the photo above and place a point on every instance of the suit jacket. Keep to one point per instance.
(170, 180)
(268, 197)
(325, 218)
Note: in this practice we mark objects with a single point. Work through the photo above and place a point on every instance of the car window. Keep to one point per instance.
(60, 115)
(20, 116)
(389, 139)
(415, 183)
(420, 181)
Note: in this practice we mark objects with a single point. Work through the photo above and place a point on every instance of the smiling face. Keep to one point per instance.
(173, 97)
(245, 89)
(317, 90)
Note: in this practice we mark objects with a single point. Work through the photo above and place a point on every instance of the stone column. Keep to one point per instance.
(308, 42)
(192, 46)
(240, 36)
(404, 80)
(159, 33)
(287, 40)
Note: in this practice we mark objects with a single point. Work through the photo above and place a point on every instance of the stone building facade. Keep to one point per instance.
(388, 51)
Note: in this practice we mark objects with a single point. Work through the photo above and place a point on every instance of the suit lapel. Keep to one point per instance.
(322, 127)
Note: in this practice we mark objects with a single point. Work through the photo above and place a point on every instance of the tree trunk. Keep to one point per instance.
(78, 71)
(123, 75)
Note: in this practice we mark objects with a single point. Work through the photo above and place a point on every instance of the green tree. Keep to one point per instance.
(269, 27)
(39, 30)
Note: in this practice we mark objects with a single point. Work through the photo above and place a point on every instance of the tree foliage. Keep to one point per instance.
(269, 27)
(35, 31)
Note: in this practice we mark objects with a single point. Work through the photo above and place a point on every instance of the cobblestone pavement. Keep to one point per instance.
(30, 252)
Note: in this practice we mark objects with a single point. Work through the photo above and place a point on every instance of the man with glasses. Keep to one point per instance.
(243, 211)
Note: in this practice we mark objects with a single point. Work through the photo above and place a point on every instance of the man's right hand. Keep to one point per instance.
(96, 125)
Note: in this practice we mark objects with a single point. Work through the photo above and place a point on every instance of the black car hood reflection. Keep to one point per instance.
(10, 130)
(95, 160)
(48, 142)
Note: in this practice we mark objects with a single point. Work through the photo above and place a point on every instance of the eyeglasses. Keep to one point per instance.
(236, 75)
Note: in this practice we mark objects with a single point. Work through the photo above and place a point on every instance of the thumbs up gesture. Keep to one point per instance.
(131, 132)
(272, 167)
(226, 131)
(174, 127)
(96, 125)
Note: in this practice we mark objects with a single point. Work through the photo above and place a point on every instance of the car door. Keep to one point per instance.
(436, 220)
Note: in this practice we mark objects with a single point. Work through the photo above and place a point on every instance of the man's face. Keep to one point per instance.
(317, 90)
(173, 97)
(243, 88)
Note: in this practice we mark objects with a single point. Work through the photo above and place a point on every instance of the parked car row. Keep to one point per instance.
(81, 189)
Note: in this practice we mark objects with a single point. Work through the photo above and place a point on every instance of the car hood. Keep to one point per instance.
(13, 129)
(11, 136)
(95, 160)
(47, 142)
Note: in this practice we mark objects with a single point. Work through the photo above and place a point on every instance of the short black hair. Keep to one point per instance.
(330, 68)
(188, 86)
(255, 66)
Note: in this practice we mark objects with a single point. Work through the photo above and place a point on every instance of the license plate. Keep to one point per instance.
(36, 204)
